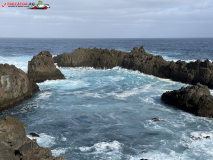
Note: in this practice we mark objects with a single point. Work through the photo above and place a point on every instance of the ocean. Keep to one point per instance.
(107, 114)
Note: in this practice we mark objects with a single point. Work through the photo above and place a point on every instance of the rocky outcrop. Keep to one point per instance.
(138, 59)
(194, 99)
(15, 145)
(146, 63)
(97, 58)
(15, 86)
(42, 68)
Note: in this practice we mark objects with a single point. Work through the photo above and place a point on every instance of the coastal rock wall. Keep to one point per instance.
(194, 99)
(15, 86)
(15, 145)
(42, 68)
(138, 59)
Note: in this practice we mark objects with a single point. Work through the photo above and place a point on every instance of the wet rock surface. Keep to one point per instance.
(194, 99)
(15, 145)
(15, 86)
(138, 59)
(42, 68)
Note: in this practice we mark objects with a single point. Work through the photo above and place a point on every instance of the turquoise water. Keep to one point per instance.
(107, 114)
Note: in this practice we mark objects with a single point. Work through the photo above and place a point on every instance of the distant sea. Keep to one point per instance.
(107, 114)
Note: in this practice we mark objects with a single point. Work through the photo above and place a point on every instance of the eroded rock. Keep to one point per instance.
(15, 145)
(15, 86)
(42, 68)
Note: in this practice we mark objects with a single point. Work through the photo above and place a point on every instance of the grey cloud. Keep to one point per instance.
(112, 19)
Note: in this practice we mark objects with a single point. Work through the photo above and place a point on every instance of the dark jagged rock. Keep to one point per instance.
(146, 63)
(193, 72)
(138, 59)
(155, 119)
(42, 68)
(97, 58)
(194, 99)
(34, 135)
(15, 145)
(15, 86)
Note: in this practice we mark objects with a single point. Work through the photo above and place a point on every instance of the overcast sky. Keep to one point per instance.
(110, 19)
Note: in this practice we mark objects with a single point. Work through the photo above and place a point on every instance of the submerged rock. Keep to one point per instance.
(42, 68)
(194, 99)
(15, 145)
(15, 86)
(138, 59)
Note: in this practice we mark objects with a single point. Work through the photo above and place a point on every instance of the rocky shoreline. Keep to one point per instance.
(15, 145)
(138, 59)
(17, 86)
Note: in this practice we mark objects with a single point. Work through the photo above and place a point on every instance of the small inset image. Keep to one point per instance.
(40, 5)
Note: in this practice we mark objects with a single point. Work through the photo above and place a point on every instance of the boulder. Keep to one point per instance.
(15, 86)
(194, 99)
(15, 145)
(42, 68)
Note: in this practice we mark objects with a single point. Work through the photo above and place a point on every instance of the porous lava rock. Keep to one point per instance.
(138, 59)
(15, 86)
(42, 68)
(194, 99)
(15, 145)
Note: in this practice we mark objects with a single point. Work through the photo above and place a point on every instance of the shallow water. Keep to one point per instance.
(107, 114)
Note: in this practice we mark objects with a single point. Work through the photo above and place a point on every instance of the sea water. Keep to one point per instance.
(107, 114)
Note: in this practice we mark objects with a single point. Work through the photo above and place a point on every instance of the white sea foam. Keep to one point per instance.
(124, 94)
(103, 147)
(44, 140)
(58, 151)
(44, 95)
(64, 84)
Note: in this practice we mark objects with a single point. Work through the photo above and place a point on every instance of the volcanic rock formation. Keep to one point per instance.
(138, 59)
(15, 86)
(194, 99)
(42, 68)
(97, 58)
(15, 145)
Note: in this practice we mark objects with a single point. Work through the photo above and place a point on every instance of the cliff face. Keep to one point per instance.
(138, 59)
(42, 68)
(194, 99)
(15, 86)
(15, 145)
